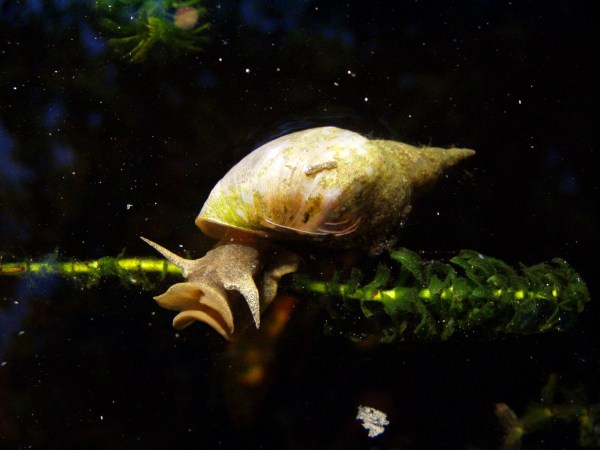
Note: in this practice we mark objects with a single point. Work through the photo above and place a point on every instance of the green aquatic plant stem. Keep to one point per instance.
(407, 297)
(304, 283)
(557, 405)
(143, 272)
(410, 297)
(103, 267)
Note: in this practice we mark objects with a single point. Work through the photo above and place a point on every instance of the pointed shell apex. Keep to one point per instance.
(325, 184)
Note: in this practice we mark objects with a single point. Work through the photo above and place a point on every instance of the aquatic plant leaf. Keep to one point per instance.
(410, 261)
(381, 278)
(557, 404)
(471, 293)
(140, 29)
(406, 297)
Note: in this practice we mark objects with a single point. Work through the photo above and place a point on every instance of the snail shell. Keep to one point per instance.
(323, 184)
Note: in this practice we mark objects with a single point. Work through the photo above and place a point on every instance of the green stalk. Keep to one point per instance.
(556, 405)
(106, 266)
(408, 297)
(145, 272)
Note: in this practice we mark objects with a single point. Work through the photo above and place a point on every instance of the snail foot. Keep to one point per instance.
(221, 283)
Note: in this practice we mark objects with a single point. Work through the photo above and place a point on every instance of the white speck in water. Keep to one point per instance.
(373, 420)
(128, 206)
(247, 70)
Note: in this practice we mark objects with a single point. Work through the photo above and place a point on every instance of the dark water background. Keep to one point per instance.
(95, 151)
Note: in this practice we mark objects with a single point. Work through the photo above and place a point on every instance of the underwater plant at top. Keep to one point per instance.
(140, 28)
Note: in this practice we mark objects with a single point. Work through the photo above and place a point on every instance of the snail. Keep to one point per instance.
(326, 185)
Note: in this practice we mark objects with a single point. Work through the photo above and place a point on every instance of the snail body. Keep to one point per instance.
(326, 185)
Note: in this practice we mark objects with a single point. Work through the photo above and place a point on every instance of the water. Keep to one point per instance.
(96, 151)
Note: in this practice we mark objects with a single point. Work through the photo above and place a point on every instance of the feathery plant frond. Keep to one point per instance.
(139, 27)
(556, 405)
(407, 298)
(472, 293)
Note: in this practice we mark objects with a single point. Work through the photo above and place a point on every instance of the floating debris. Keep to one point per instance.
(373, 420)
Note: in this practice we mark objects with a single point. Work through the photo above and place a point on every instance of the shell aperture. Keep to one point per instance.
(327, 185)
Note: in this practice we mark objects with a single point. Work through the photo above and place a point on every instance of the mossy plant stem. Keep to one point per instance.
(407, 295)
(305, 284)
(104, 267)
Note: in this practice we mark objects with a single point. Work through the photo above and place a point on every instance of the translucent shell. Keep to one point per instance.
(325, 184)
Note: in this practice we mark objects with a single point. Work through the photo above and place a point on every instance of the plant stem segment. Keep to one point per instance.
(407, 297)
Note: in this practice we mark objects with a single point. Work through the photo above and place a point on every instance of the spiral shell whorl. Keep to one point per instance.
(327, 184)
(314, 183)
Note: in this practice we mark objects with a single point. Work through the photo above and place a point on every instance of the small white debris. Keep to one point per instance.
(372, 419)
